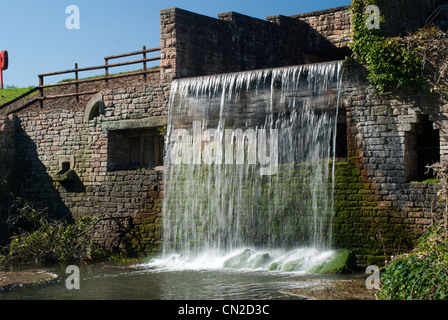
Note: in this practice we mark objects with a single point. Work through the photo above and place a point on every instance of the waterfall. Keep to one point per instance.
(248, 160)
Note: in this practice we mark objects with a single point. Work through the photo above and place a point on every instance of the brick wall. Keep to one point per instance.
(327, 29)
(379, 209)
(7, 153)
(128, 200)
(377, 206)
(194, 44)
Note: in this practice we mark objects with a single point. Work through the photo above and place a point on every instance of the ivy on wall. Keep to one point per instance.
(391, 64)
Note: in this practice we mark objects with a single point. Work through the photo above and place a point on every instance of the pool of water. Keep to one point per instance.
(110, 282)
(240, 275)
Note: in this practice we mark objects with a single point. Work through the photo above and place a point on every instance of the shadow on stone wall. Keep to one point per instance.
(7, 151)
(5, 199)
(319, 49)
(32, 182)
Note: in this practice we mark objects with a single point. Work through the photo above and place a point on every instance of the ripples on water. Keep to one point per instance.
(179, 278)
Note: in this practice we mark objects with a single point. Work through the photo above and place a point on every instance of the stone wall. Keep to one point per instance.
(127, 200)
(7, 153)
(327, 29)
(380, 209)
(64, 157)
(194, 44)
(404, 16)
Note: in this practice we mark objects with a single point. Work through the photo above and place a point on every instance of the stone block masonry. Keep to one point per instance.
(194, 45)
(382, 205)
(128, 200)
(105, 158)
(7, 154)
(327, 29)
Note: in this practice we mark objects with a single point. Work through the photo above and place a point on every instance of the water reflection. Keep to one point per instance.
(101, 282)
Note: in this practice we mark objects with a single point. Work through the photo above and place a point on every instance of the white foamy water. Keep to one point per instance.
(297, 260)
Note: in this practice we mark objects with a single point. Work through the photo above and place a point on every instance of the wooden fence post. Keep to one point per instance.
(76, 84)
(41, 91)
(106, 70)
(144, 63)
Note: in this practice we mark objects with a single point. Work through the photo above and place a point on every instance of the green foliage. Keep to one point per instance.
(421, 274)
(391, 64)
(9, 94)
(40, 240)
(427, 181)
(162, 131)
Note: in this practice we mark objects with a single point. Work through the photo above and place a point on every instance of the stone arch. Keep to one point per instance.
(94, 108)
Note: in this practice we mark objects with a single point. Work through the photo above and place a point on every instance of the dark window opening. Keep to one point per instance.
(95, 111)
(134, 149)
(341, 141)
(428, 150)
(422, 149)
(65, 167)
(341, 147)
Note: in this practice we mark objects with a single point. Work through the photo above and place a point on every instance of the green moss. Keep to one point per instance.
(374, 230)
(427, 181)
(144, 238)
(342, 261)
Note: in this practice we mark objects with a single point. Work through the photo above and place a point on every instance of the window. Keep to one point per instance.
(341, 147)
(341, 141)
(133, 149)
(422, 148)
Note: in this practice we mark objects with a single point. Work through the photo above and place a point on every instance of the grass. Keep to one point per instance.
(11, 93)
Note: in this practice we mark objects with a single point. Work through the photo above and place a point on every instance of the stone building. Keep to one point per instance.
(104, 155)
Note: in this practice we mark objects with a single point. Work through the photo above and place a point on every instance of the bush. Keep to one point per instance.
(37, 239)
(421, 274)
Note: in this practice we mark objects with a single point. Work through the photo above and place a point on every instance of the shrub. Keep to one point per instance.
(37, 239)
(421, 274)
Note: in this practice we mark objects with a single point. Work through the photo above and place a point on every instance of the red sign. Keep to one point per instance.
(4, 60)
(3, 65)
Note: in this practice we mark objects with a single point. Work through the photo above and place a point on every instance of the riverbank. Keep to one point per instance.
(19, 278)
(340, 289)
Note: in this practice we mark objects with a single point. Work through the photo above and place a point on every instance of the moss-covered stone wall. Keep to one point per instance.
(361, 222)
(379, 210)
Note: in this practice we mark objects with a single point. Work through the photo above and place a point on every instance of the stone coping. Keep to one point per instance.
(128, 124)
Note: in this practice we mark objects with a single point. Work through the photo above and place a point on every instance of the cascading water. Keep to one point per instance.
(248, 166)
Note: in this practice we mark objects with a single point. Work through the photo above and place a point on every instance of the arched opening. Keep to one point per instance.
(94, 108)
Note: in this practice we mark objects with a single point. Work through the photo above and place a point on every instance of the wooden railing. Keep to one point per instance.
(106, 77)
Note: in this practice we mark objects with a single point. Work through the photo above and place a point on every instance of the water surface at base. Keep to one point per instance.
(113, 283)
(204, 277)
